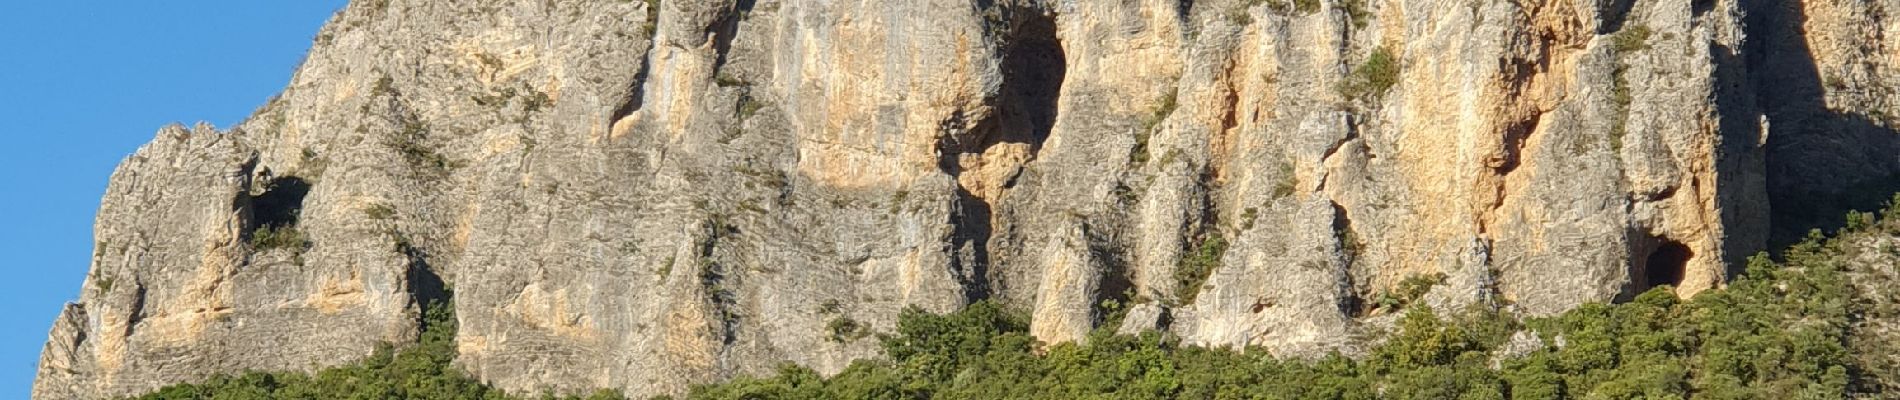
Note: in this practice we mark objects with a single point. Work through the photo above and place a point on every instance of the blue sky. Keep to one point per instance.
(82, 85)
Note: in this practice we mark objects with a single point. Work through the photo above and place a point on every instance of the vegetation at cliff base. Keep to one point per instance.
(423, 371)
(1778, 334)
(1780, 330)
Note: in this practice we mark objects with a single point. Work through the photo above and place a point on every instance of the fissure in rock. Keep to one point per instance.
(1001, 143)
(1114, 285)
(426, 287)
(714, 277)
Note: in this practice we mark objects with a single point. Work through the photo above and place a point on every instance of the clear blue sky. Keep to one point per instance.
(82, 85)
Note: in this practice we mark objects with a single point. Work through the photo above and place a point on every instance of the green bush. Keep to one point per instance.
(1164, 107)
(1357, 11)
(1306, 6)
(728, 80)
(843, 329)
(1630, 39)
(278, 237)
(379, 211)
(421, 156)
(749, 106)
(1288, 182)
(652, 23)
(1373, 78)
(1408, 291)
(1200, 262)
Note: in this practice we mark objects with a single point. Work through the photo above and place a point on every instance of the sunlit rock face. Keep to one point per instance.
(645, 195)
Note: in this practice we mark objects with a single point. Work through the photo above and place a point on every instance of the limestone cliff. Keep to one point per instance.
(648, 194)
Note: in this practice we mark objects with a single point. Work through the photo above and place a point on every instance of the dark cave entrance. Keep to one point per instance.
(1665, 265)
(281, 204)
(430, 293)
(1034, 67)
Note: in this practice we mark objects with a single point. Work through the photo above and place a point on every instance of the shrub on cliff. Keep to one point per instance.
(1373, 78)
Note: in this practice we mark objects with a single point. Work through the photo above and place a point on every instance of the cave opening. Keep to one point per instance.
(1033, 67)
(427, 289)
(281, 204)
(1665, 265)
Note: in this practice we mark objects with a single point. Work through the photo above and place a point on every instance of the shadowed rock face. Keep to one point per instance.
(1825, 74)
(646, 195)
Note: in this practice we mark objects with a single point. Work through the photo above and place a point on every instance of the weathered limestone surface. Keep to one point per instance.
(649, 194)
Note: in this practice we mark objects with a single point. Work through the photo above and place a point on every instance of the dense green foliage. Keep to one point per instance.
(424, 371)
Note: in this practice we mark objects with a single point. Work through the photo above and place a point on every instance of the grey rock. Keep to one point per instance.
(1143, 317)
(639, 197)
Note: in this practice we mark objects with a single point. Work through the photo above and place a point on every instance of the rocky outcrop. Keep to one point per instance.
(181, 287)
(648, 194)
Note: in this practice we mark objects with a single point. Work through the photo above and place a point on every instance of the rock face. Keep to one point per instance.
(649, 194)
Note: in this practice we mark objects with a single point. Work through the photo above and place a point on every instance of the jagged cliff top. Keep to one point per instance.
(645, 195)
